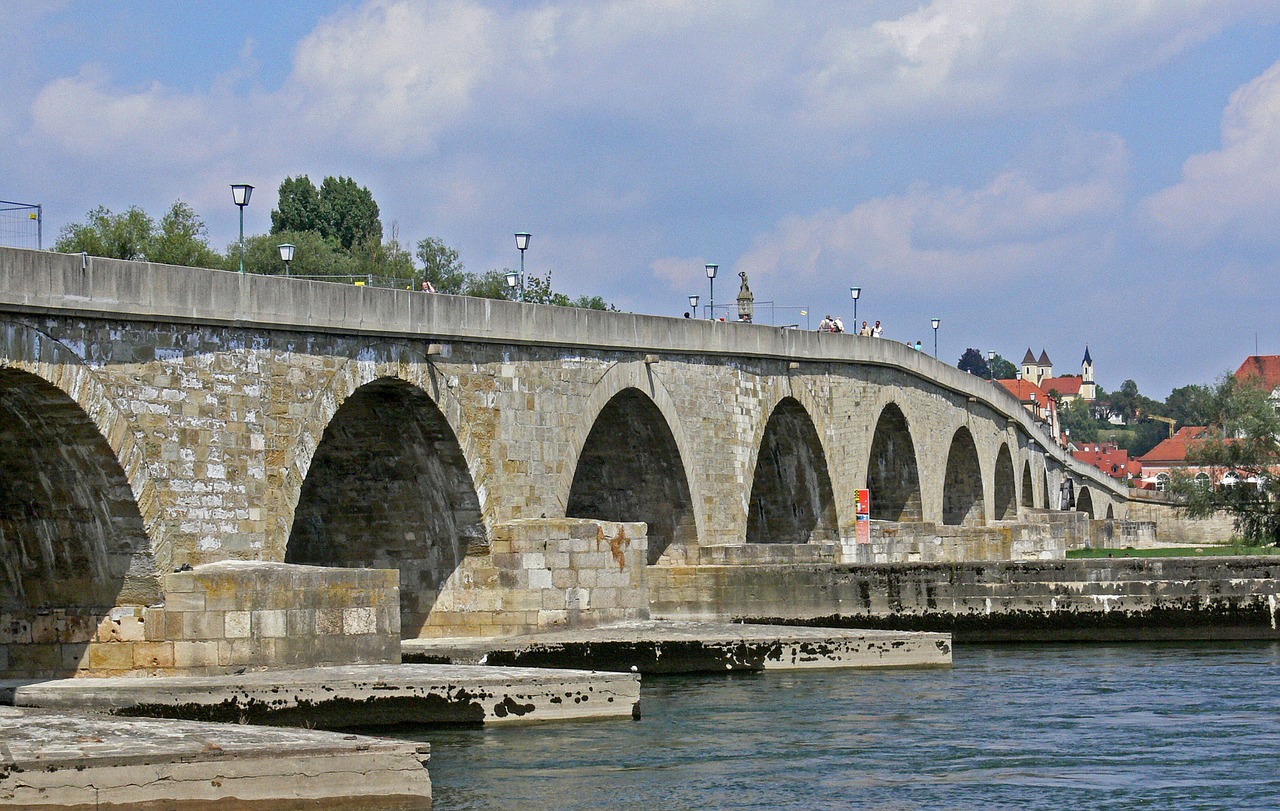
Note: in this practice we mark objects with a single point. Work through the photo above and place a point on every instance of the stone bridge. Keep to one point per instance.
(499, 455)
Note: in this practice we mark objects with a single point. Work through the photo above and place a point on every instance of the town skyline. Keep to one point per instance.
(1032, 175)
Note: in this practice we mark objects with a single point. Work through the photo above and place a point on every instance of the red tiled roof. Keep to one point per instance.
(1109, 458)
(1174, 449)
(1068, 386)
(1264, 367)
(1023, 389)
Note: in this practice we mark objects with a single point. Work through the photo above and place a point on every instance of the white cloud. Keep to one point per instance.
(934, 236)
(975, 56)
(87, 116)
(394, 75)
(1234, 192)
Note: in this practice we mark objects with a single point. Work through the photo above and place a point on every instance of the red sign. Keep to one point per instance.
(864, 502)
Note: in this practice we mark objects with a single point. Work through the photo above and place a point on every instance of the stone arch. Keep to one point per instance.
(1111, 511)
(377, 361)
(388, 487)
(26, 349)
(73, 544)
(619, 378)
(962, 501)
(630, 469)
(1084, 502)
(1028, 488)
(892, 475)
(791, 497)
(1006, 496)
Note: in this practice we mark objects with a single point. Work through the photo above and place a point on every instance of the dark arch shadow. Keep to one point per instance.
(1028, 489)
(1084, 502)
(1006, 496)
(962, 486)
(72, 540)
(791, 497)
(389, 488)
(1111, 511)
(630, 470)
(1046, 489)
(892, 476)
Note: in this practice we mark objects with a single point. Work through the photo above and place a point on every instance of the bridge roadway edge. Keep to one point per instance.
(43, 282)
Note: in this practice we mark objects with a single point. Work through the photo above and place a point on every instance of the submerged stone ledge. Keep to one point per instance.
(58, 760)
(348, 697)
(653, 647)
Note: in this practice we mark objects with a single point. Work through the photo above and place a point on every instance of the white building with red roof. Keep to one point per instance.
(1068, 387)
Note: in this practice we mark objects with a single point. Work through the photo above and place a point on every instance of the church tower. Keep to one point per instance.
(1030, 369)
(1088, 388)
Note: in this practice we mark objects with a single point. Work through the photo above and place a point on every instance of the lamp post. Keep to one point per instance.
(711, 276)
(286, 255)
(513, 279)
(693, 305)
(855, 293)
(240, 193)
(937, 322)
(522, 244)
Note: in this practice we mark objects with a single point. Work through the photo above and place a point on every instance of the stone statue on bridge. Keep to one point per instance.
(746, 300)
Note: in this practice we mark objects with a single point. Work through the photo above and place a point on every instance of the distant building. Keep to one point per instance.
(1159, 463)
(1264, 370)
(1069, 387)
(1110, 458)
(1037, 402)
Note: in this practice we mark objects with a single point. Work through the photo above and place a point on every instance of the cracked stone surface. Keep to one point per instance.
(52, 759)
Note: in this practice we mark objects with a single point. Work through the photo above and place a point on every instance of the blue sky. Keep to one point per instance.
(1033, 173)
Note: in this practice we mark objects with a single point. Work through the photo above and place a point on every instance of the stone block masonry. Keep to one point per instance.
(217, 618)
(1098, 599)
(545, 574)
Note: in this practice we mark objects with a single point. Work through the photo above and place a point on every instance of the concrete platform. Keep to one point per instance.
(654, 647)
(66, 761)
(345, 697)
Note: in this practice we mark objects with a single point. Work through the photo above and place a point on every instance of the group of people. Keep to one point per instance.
(829, 324)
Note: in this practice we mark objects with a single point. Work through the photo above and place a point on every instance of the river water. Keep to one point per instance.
(1167, 726)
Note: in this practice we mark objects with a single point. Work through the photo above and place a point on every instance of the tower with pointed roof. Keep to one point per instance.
(1030, 369)
(1088, 388)
(1046, 365)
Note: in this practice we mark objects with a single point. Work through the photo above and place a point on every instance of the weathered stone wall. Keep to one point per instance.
(216, 618)
(1113, 534)
(1173, 527)
(1120, 598)
(547, 574)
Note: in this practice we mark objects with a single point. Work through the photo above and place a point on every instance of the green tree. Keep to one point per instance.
(593, 303)
(491, 285)
(116, 236)
(441, 266)
(973, 363)
(1078, 417)
(349, 213)
(313, 255)
(298, 208)
(1002, 369)
(1190, 405)
(182, 240)
(1243, 431)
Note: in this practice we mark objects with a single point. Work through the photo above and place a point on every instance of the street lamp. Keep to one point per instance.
(522, 244)
(513, 279)
(855, 293)
(240, 193)
(693, 305)
(286, 255)
(711, 275)
(937, 322)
